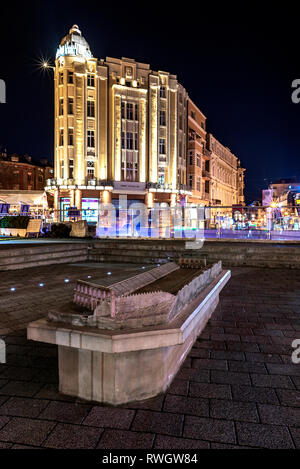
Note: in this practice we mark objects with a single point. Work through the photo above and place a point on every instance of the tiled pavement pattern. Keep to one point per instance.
(237, 389)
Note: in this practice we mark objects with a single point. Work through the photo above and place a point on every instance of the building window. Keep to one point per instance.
(136, 141)
(207, 187)
(161, 175)
(70, 77)
(91, 108)
(191, 157)
(198, 161)
(136, 112)
(198, 184)
(129, 171)
(162, 92)
(129, 113)
(162, 117)
(180, 148)
(90, 169)
(61, 137)
(123, 110)
(162, 146)
(70, 106)
(191, 181)
(61, 78)
(202, 125)
(193, 115)
(123, 143)
(71, 168)
(62, 169)
(91, 138)
(61, 107)
(91, 80)
(180, 122)
(129, 141)
(70, 136)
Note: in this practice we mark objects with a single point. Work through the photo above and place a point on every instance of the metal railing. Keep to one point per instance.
(214, 222)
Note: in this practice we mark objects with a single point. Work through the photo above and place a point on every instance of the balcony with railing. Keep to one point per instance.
(205, 174)
(72, 183)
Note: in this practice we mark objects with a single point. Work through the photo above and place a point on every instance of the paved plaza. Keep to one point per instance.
(237, 389)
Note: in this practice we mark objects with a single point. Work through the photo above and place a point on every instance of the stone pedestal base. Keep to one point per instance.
(117, 367)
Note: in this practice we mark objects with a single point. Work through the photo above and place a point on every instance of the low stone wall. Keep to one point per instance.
(250, 253)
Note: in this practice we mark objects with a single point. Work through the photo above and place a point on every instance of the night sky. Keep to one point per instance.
(237, 63)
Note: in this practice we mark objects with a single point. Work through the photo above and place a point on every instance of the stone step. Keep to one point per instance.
(20, 258)
(65, 260)
(41, 256)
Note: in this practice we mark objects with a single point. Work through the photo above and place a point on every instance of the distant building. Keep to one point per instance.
(122, 128)
(226, 175)
(282, 186)
(21, 173)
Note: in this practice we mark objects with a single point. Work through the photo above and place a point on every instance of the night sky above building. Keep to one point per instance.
(236, 62)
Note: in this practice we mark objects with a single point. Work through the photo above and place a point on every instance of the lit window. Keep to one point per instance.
(129, 140)
(70, 77)
(123, 143)
(162, 91)
(62, 171)
(61, 107)
(91, 138)
(71, 168)
(162, 146)
(91, 108)
(162, 117)
(123, 110)
(61, 137)
(180, 122)
(161, 175)
(70, 106)
(70, 136)
(129, 113)
(91, 80)
(90, 169)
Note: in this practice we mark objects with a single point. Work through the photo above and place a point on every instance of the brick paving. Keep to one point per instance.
(237, 388)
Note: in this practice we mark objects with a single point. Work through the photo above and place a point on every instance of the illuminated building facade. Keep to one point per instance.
(120, 128)
(226, 175)
(198, 158)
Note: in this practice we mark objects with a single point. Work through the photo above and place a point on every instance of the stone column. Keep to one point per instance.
(78, 199)
(56, 205)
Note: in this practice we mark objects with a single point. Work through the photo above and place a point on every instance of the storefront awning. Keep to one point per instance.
(37, 198)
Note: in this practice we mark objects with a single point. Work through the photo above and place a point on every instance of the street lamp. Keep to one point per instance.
(46, 65)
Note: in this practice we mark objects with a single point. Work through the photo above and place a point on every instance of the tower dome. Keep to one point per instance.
(74, 44)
